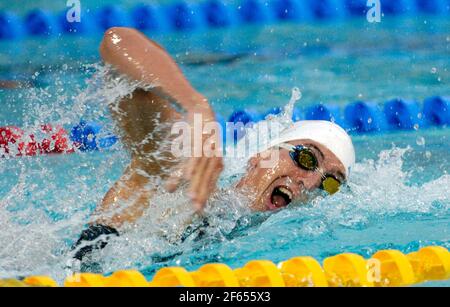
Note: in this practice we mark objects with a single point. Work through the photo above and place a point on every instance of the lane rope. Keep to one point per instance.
(207, 14)
(357, 117)
(386, 268)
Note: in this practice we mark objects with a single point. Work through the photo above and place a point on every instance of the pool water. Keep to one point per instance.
(398, 196)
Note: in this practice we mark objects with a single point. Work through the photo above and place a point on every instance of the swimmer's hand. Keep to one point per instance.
(201, 172)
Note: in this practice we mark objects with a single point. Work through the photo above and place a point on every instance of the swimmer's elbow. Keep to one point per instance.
(117, 39)
(113, 40)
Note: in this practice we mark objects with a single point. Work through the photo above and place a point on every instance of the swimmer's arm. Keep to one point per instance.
(143, 60)
(136, 56)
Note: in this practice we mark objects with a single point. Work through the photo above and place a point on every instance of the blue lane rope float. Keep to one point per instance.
(436, 110)
(322, 112)
(364, 117)
(357, 118)
(89, 137)
(41, 23)
(80, 28)
(368, 117)
(183, 16)
(432, 7)
(403, 114)
(146, 18)
(10, 26)
(217, 14)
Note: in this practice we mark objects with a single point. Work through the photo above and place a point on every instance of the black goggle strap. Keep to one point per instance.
(287, 146)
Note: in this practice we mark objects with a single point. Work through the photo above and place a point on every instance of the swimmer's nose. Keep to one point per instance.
(309, 181)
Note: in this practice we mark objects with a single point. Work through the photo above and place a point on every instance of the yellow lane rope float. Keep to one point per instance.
(386, 268)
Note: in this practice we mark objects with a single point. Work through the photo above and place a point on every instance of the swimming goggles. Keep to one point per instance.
(304, 158)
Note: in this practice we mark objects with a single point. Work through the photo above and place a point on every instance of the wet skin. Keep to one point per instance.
(133, 54)
(259, 183)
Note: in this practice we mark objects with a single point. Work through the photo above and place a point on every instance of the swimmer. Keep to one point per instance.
(313, 155)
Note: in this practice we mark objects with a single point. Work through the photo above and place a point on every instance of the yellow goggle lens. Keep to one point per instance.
(307, 160)
(331, 185)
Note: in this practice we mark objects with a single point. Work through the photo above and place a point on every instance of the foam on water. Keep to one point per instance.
(46, 201)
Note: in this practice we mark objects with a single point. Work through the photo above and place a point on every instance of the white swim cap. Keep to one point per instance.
(325, 133)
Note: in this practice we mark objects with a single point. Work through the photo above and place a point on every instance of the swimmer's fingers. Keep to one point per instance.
(181, 174)
(174, 180)
(189, 168)
(197, 180)
(185, 172)
(212, 173)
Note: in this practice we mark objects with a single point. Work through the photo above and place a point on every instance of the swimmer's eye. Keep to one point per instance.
(330, 184)
(304, 158)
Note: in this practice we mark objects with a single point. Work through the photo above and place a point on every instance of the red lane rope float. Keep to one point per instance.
(14, 142)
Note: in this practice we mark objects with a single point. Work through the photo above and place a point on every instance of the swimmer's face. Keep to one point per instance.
(276, 187)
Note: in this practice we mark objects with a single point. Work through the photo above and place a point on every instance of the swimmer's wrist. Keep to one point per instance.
(198, 104)
(197, 101)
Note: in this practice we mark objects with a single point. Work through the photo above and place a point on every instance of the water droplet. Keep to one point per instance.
(428, 154)
(433, 70)
(420, 141)
(369, 120)
(296, 94)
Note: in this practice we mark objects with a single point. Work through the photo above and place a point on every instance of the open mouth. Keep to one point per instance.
(281, 196)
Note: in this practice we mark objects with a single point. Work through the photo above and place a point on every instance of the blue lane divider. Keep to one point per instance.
(183, 16)
(436, 110)
(244, 116)
(397, 7)
(297, 115)
(403, 114)
(74, 27)
(146, 18)
(368, 117)
(271, 111)
(217, 14)
(356, 7)
(41, 23)
(356, 117)
(241, 118)
(86, 136)
(290, 10)
(254, 11)
(110, 16)
(325, 112)
(433, 6)
(328, 9)
(10, 26)
(364, 117)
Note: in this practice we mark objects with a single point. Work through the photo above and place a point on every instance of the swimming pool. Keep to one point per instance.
(398, 196)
